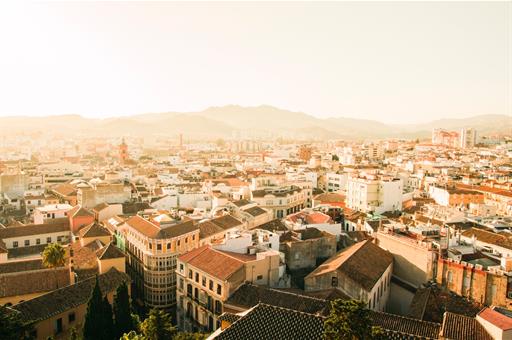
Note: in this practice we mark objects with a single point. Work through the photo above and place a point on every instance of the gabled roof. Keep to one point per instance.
(218, 225)
(110, 251)
(273, 226)
(34, 229)
(498, 319)
(78, 210)
(249, 295)
(29, 277)
(270, 322)
(64, 189)
(410, 328)
(66, 298)
(93, 230)
(363, 262)
(488, 237)
(460, 327)
(214, 262)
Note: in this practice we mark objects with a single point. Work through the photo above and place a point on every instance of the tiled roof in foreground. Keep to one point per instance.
(460, 327)
(249, 295)
(400, 327)
(270, 322)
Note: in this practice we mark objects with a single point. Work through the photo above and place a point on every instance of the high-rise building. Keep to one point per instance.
(467, 138)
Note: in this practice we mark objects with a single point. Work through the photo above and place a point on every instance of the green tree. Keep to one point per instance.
(94, 316)
(132, 335)
(11, 324)
(190, 336)
(350, 320)
(73, 335)
(158, 326)
(108, 321)
(123, 321)
(54, 256)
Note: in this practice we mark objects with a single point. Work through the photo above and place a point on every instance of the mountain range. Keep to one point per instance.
(245, 122)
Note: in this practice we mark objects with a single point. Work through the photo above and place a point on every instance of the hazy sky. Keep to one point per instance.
(394, 62)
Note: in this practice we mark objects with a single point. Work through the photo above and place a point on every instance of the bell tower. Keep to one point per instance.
(123, 152)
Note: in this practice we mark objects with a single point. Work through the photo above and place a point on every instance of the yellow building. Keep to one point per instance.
(152, 246)
(207, 277)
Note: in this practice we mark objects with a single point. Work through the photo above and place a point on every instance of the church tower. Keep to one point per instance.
(123, 152)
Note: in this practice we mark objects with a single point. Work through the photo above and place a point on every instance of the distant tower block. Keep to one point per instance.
(123, 152)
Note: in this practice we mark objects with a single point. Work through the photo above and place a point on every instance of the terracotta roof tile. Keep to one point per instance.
(354, 262)
(212, 261)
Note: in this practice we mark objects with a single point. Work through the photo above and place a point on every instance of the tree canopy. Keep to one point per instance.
(158, 326)
(11, 325)
(350, 320)
(123, 321)
(54, 255)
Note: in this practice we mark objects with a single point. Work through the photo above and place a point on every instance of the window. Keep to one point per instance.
(58, 326)
(27, 243)
(15, 244)
(168, 246)
(219, 289)
(467, 281)
(450, 276)
(189, 274)
(218, 307)
(204, 281)
(193, 237)
(48, 240)
(179, 243)
(59, 238)
(181, 267)
(259, 277)
(197, 277)
(334, 281)
(38, 241)
(158, 246)
(211, 285)
(71, 317)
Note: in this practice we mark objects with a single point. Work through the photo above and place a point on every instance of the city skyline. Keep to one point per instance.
(343, 59)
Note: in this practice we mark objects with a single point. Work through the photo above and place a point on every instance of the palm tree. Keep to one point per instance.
(53, 257)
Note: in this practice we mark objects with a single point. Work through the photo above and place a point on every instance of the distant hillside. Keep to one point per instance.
(232, 120)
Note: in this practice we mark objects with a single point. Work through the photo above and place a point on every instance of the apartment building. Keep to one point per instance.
(452, 196)
(33, 237)
(207, 277)
(90, 195)
(336, 182)
(467, 138)
(152, 244)
(282, 200)
(48, 213)
(361, 271)
(373, 194)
